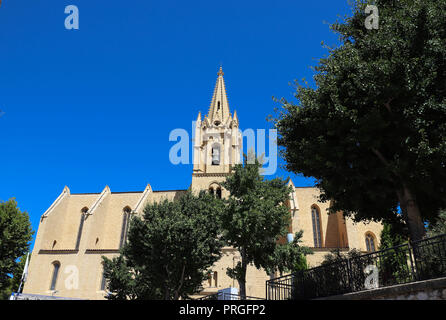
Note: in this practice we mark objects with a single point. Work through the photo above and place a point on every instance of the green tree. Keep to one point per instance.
(439, 227)
(393, 265)
(392, 236)
(169, 252)
(15, 236)
(373, 130)
(255, 218)
(124, 281)
(14, 282)
(290, 257)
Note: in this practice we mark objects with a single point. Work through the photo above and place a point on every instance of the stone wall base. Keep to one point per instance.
(434, 289)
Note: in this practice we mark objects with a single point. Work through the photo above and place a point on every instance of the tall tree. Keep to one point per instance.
(15, 237)
(373, 130)
(169, 251)
(255, 217)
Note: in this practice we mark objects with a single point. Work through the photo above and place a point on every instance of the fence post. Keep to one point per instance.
(266, 290)
(411, 258)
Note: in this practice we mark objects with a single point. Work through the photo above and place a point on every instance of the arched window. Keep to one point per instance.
(215, 190)
(215, 155)
(56, 267)
(370, 242)
(316, 218)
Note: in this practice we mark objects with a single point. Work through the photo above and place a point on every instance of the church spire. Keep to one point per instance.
(219, 108)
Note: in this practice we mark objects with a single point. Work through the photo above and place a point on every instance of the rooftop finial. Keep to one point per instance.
(220, 72)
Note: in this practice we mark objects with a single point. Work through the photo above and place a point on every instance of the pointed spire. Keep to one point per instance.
(219, 108)
(235, 121)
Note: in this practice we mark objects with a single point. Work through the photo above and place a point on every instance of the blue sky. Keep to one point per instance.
(93, 107)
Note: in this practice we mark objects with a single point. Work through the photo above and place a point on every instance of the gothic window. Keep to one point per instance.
(215, 155)
(215, 190)
(315, 217)
(370, 242)
(56, 267)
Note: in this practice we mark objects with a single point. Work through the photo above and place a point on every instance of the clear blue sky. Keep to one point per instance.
(93, 107)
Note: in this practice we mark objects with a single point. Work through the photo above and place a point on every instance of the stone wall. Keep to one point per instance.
(434, 289)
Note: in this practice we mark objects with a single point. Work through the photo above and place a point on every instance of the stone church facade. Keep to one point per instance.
(77, 229)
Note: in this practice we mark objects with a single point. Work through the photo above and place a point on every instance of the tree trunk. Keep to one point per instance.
(166, 293)
(411, 213)
(242, 277)
(177, 291)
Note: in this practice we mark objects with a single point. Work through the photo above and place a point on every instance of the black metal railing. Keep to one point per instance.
(413, 261)
(227, 296)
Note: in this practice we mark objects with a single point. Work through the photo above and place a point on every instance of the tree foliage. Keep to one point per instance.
(290, 256)
(392, 236)
(439, 227)
(373, 131)
(255, 218)
(15, 236)
(169, 251)
(14, 282)
(393, 265)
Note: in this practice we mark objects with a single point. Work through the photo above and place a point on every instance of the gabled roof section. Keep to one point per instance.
(65, 193)
(98, 201)
(142, 200)
(219, 108)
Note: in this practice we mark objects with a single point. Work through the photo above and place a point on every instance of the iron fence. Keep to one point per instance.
(227, 296)
(413, 261)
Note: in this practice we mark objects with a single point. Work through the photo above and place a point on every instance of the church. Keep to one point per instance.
(79, 228)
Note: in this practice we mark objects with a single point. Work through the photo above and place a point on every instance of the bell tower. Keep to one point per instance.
(217, 142)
